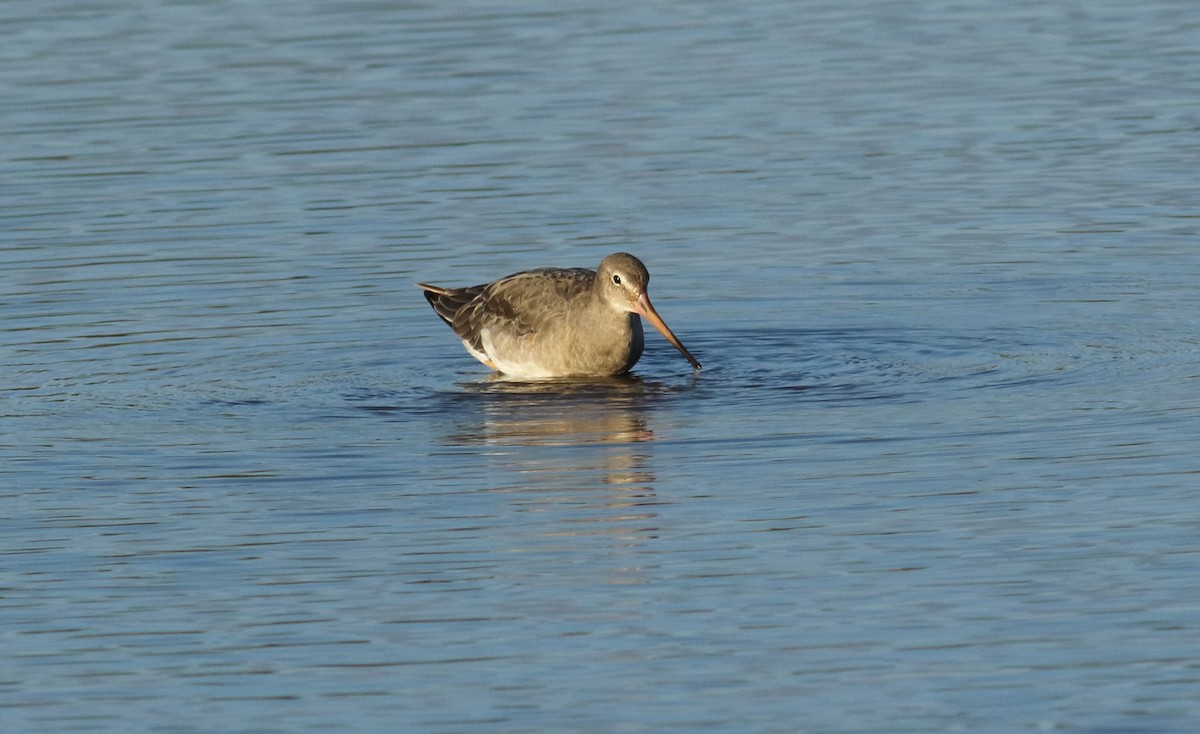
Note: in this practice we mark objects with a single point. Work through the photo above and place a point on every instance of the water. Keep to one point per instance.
(939, 472)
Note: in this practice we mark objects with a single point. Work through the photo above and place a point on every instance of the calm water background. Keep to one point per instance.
(941, 471)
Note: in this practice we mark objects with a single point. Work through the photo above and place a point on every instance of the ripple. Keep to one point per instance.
(920, 364)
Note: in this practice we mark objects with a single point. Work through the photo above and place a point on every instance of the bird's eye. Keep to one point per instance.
(617, 279)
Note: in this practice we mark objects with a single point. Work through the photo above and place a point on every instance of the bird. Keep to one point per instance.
(556, 322)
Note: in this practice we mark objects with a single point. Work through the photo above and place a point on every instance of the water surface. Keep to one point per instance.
(939, 472)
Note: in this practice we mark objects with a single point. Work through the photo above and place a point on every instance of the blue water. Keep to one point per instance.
(939, 473)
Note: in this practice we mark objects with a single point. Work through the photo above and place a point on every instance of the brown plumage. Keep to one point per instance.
(556, 322)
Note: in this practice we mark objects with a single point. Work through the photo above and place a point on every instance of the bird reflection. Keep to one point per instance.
(579, 448)
(558, 412)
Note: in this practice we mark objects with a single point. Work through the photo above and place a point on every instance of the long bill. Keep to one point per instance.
(646, 310)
